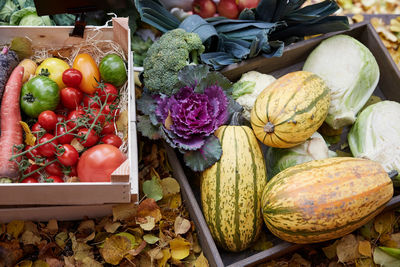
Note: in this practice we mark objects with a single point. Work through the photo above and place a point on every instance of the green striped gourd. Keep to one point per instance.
(290, 109)
(325, 199)
(231, 189)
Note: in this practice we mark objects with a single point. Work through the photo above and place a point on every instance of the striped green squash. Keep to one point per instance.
(325, 199)
(231, 189)
(290, 109)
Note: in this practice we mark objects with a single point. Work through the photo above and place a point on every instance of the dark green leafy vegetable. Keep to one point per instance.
(139, 48)
(8, 61)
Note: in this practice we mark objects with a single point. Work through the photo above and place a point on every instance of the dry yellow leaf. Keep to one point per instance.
(122, 122)
(358, 18)
(155, 254)
(30, 139)
(364, 248)
(69, 261)
(29, 238)
(170, 186)
(180, 248)
(115, 248)
(147, 223)
(25, 263)
(365, 262)
(330, 251)
(111, 227)
(89, 262)
(392, 242)
(395, 25)
(384, 222)
(29, 226)
(347, 249)
(80, 249)
(166, 256)
(52, 226)
(195, 244)
(123, 212)
(172, 202)
(77, 145)
(262, 242)
(40, 263)
(181, 225)
(14, 228)
(201, 261)
(61, 239)
(168, 121)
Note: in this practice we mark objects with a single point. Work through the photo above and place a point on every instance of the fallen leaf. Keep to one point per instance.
(24, 263)
(123, 212)
(132, 238)
(150, 239)
(30, 226)
(297, 260)
(155, 253)
(181, 225)
(137, 250)
(52, 227)
(29, 238)
(13, 251)
(347, 249)
(262, 243)
(330, 251)
(89, 262)
(180, 248)
(149, 207)
(385, 260)
(80, 249)
(53, 262)
(111, 227)
(358, 18)
(14, 228)
(86, 231)
(201, 261)
(122, 122)
(393, 241)
(40, 263)
(30, 139)
(170, 186)
(147, 223)
(166, 256)
(61, 239)
(195, 244)
(115, 248)
(384, 222)
(364, 248)
(69, 261)
(364, 262)
(368, 230)
(152, 189)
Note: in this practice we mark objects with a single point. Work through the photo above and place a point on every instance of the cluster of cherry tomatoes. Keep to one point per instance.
(81, 121)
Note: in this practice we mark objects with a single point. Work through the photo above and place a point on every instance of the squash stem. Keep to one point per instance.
(236, 119)
(269, 127)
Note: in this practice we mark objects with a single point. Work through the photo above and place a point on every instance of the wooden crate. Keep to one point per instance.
(292, 60)
(123, 187)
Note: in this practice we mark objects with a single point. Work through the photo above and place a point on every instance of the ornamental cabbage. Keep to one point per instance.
(279, 159)
(376, 134)
(350, 71)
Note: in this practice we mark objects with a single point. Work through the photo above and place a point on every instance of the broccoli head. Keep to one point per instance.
(167, 56)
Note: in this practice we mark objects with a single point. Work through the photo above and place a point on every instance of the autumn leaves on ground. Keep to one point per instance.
(150, 234)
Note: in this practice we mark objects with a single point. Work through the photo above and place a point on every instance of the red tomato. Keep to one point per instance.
(72, 171)
(72, 77)
(54, 179)
(69, 156)
(108, 128)
(97, 163)
(33, 153)
(48, 120)
(107, 91)
(111, 139)
(60, 130)
(53, 168)
(73, 115)
(71, 97)
(100, 120)
(30, 180)
(88, 101)
(112, 110)
(38, 130)
(92, 137)
(32, 168)
(61, 118)
(48, 149)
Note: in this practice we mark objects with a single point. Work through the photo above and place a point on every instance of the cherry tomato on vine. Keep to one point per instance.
(112, 139)
(61, 118)
(53, 168)
(73, 171)
(33, 153)
(54, 179)
(60, 130)
(90, 102)
(72, 77)
(48, 120)
(111, 109)
(100, 120)
(32, 168)
(69, 156)
(107, 91)
(38, 130)
(71, 97)
(92, 137)
(108, 128)
(73, 115)
(47, 150)
(30, 180)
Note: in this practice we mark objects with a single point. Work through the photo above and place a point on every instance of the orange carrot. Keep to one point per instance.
(11, 130)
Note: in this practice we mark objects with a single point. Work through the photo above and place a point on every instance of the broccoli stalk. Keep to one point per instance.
(166, 57)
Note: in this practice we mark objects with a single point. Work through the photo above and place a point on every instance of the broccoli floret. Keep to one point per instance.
(139, 48)
(167, 56)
